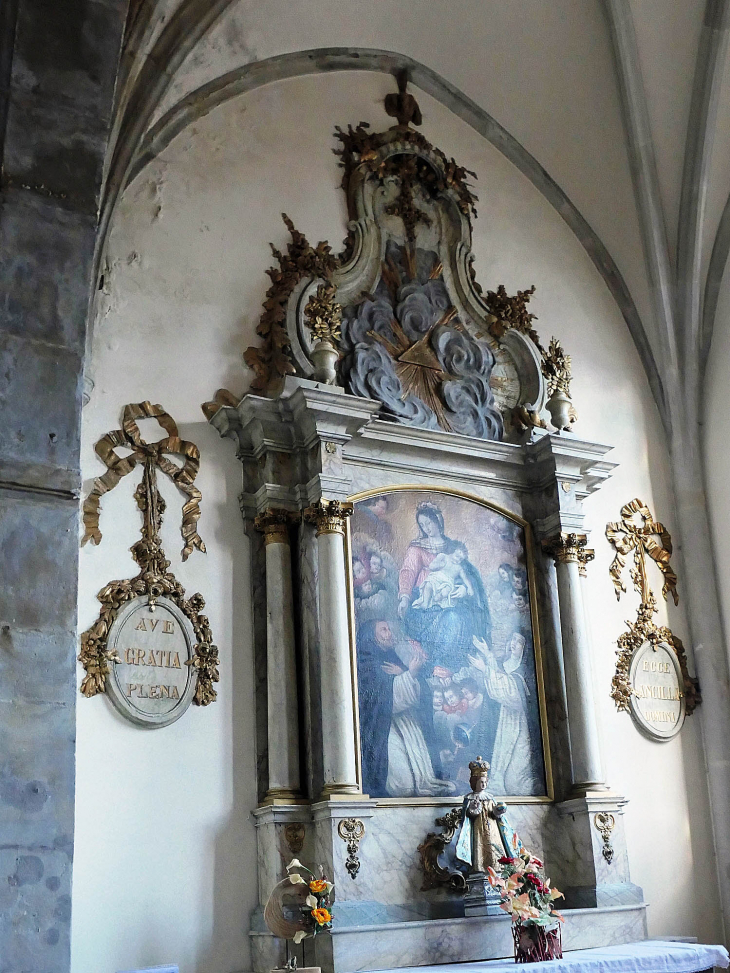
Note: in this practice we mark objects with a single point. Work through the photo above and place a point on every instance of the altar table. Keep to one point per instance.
(649, 956)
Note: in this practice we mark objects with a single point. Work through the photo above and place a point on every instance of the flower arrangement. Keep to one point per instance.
(528, 898)
(316, 911)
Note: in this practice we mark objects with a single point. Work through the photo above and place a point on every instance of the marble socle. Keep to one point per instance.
(425, 942)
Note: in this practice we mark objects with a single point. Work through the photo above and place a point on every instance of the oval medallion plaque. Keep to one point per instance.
(657, 701)
(152, 685)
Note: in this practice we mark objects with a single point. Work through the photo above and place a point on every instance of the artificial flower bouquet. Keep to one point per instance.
(528, 898)
(317, 907)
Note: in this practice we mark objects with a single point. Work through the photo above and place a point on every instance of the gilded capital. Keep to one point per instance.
(328, 516)
(567, 548)
(274, 524)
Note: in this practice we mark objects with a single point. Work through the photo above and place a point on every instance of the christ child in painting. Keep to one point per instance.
(446, 580)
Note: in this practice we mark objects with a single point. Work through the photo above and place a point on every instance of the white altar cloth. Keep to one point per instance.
(650, 956)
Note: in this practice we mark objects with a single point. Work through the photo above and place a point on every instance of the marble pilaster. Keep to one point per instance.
(339, 760)
(571, 555)
(281, 665)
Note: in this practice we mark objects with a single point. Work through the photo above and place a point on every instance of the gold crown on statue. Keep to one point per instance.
(478, 766)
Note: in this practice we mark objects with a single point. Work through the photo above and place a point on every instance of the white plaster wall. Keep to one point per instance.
(165, 851)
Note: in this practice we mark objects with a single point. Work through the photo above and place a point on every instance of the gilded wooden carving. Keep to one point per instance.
(604, 823)
(435, 874)
(398, 316)
(155, 581)
(638, 535)
(352, 831)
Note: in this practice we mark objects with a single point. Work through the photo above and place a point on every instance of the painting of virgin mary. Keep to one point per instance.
(442, 601)
(442, 611)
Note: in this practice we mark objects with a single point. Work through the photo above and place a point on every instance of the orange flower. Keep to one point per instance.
(318, 885)
(321, 916)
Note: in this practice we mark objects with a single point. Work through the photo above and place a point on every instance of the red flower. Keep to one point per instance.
(504, 860)
(535, 882)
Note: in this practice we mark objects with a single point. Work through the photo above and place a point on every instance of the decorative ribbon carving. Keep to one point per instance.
(351, 830)
(626, 536)
(151, 455)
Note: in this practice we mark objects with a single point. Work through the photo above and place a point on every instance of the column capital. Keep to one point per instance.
(329, 516)
(274, 524)
(569, 548)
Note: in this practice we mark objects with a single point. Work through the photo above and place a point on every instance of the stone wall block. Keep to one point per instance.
(36, 775)
(39, 543)
(35, 905)
(40, 403)
(38, 664)
(65, 52)
(55, 152)
(45, 271)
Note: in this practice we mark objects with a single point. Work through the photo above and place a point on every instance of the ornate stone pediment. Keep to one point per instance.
(398, 316)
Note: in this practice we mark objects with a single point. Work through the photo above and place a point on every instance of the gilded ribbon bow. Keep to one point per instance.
(152, 455)
(641, 537)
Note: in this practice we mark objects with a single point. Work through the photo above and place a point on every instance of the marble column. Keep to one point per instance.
(336, 677)
(281, 665)
(571, 556)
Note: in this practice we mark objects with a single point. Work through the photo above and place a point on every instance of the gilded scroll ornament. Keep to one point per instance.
(328, 516)
(273, 361)
(155, 582)
(351, 830)
(511, 312)
(431, 849)
(604, 823)
(638, 535)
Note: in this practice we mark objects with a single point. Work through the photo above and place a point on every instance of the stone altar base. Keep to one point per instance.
(351, 949)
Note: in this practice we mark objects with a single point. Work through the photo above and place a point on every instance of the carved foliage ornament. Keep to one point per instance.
(154, 581)
(328, 516)
(604, 823)
(639, 535)
(351, 830)
(570, 548)
(400, 305)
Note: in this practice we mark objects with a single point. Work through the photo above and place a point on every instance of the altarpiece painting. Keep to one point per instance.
(447, 654)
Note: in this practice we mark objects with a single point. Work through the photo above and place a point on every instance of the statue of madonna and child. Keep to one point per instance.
(483, 837)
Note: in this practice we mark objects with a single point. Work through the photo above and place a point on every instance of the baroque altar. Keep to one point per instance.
(415, 509)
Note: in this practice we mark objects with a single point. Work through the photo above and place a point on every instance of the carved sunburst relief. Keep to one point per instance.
(408, 324)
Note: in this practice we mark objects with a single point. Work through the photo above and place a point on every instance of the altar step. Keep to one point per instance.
(430, 942)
